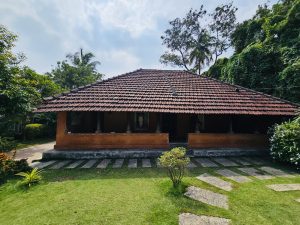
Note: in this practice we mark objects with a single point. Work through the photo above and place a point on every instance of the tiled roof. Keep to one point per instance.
(172, 91)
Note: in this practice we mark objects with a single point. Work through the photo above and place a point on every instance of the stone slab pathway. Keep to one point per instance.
(242, 161)
(215, 181)
(118, 163)
(158, 164)
(208, 197)
(74, 164)
(297, 200)
(191, 165)
(132, 163)
(204, 162)
(103, 164)
(275, 172)
(42, 165)
(255, 173)
(191, 219)
(233, 176)
(284, 187)
(225, 161)
(60, 164)
(255, 160)
(89, 164)
(146, 163)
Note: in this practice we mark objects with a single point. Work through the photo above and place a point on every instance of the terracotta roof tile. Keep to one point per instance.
(172, 91)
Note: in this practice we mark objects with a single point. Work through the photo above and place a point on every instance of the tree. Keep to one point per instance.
(222, 26)
(77, 70)
(192, 41)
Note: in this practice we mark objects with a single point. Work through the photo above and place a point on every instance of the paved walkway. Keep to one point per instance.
(34, 152)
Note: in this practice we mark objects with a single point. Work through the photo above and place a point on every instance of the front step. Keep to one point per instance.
(144, 153)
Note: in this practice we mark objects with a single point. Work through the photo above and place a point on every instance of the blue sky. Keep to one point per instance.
(123, 34)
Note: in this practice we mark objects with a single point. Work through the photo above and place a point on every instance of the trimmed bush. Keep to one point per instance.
(175, 161)
(9, 168)
(285, 142)
(35, 130)
(7, 144)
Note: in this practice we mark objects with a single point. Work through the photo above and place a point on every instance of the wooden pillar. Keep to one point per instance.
(197, 125)
(61, 127)
(98, 130)
(158, 123)
(128, 130)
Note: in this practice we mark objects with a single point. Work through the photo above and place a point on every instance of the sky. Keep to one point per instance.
(124, 35)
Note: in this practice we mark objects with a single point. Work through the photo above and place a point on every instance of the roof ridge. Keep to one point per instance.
(248, 89)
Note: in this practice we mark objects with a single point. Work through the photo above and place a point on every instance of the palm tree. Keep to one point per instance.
(201, 52)
(80, 59)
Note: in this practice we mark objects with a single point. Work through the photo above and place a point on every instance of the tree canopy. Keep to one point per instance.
(77, 70)
(192, 41)
(267, 52)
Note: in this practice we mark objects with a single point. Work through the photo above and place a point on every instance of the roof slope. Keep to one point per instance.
(172, 91)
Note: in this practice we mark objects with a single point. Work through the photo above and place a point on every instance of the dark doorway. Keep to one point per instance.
(172, 124)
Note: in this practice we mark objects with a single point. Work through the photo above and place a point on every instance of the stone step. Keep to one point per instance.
(118, 163)
(255, 173)
(191, 219)
(205, 162)
(42, 165)
(103, 164)
(89, 164)
(146, 163)
(255, 160)
(132, 163)
(275, 172)
(74, 164)
(215, 181)
(284, 187)
(60, 164)
(208, 197)
(233, 175)
(191, 165)
(241, 161)
(225, 161)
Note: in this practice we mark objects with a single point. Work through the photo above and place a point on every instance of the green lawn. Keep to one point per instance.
(138, 197)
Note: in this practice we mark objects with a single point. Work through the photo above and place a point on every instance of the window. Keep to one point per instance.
(141, 121)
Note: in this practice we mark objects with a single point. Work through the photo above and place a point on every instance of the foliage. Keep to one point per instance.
(192, 43)
(77, 70)
(35, 130)
(30, 178)
(9, 167)
(175, 161)
(4, 156)
(7, 144)
(267, 52)
(285, 142)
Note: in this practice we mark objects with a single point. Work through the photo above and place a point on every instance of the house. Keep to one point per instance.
(151, 109)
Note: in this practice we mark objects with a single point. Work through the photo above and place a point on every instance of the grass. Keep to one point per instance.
(27, 143)
(138, 196)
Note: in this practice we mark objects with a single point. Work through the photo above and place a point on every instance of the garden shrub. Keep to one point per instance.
(7, 144)
(175, 161)
(35, 130)
(285, 142)
(9, 168)
(30, 177)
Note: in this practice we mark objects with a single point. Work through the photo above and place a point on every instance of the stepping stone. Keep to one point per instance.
(208, 197)
(89, 164)
(158, 164)
(297, 200)
(225, 162)
(103, 164)
(132, 163)
(242, 161)
(34, 164)
(60, 164)
(255, 173)
(233, 176)
(255, 161)
(191, 219)
(74, 164)
(275, 172)
(204, 162)
(284, 187)
(118, 163)
(146, 163)
(215, 181)
(191, 165)
(42, 165)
